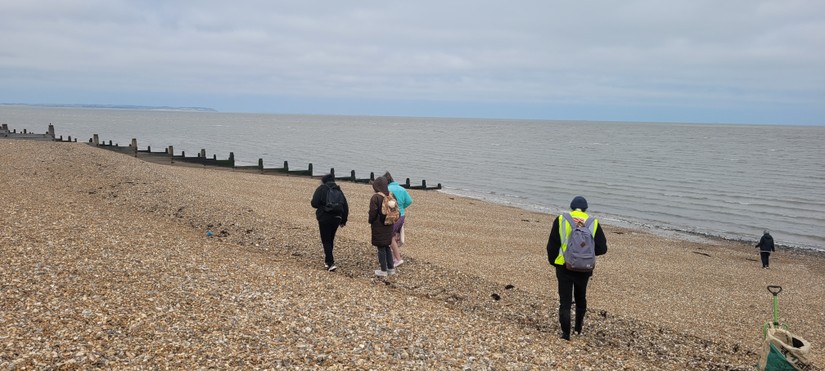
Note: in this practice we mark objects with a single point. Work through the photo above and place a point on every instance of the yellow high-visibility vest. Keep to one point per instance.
(564, 232)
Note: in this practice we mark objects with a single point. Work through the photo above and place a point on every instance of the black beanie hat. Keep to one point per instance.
(578, 203)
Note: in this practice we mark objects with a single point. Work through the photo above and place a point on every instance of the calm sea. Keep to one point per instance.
(692, 180)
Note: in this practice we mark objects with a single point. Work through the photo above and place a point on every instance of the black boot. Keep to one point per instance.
(579, 323)
(564, 322)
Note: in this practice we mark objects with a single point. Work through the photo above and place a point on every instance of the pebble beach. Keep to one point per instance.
(106, 263)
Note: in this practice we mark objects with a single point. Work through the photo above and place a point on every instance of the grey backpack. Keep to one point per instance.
(580, 254)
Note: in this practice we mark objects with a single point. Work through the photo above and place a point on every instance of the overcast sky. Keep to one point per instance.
(741, 61)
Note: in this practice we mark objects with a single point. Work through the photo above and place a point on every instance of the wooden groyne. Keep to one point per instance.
(201, 158)
(25, 134)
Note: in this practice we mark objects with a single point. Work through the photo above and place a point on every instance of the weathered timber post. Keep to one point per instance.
(203, 153)
(261, 165)
(133, 145)
(352, 175)
(408, 183)
(50, 133)
(96, 140)
(424, 183)
(286, 165)
(232, 159)
(331, 171)
(310, 169)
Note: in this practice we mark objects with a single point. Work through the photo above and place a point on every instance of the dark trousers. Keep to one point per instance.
(571, 284)
(765, 256)
(385, 257)
(328, 228)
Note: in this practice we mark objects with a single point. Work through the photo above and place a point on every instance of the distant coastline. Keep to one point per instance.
(115, 106)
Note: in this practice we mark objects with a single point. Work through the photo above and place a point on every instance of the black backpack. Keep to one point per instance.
(335, 201)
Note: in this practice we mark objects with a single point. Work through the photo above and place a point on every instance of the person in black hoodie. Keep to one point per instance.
(765, 246)
(331, 210)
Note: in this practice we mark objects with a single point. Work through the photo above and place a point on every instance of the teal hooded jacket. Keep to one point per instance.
(401, 195)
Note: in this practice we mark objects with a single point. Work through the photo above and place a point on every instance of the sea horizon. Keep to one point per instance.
(128, 107)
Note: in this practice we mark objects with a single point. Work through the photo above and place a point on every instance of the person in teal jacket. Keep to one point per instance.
(404, 201)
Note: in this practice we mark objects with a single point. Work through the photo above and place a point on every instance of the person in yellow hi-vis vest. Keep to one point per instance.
(573, 278)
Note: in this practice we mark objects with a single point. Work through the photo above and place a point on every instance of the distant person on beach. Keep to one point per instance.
(381, 234)
(572, 283)
(766, 246)
(331, 210)
(404, 201)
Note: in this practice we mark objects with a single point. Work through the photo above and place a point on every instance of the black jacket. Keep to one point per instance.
(554, 243)
(319, 200)
(766, 243)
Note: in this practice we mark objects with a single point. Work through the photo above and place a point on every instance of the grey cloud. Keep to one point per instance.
(527, 50)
